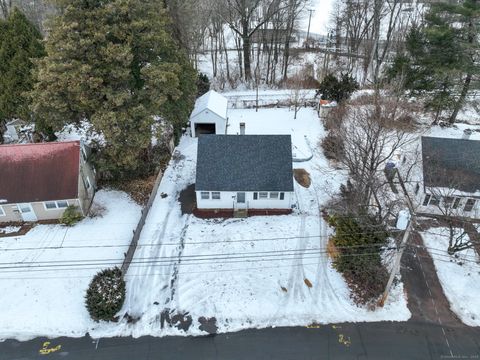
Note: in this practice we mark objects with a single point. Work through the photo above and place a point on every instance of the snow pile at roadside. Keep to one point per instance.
(49, 300)
(459, 276)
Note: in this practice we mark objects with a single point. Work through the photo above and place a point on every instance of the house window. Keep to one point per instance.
(263, 195)
(274, 195)
(52, 205)
(84, 154)
(434, 200)
(456, 203)
(2, 212)
(255, 195)
(62, 204)
(426, 200)
(205, 195)
(216, 195)
(282, 196)
(469, 205)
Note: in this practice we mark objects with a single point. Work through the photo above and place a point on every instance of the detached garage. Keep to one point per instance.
(209, 115)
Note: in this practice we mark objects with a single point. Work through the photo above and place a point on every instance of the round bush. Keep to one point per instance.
(105, 294)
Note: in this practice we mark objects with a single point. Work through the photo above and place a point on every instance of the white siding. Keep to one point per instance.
(227, 201)
(208, 117)
(442, 209)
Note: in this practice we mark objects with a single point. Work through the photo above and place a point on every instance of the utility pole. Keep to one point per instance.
(396, 266)
(403, 244)
(309, 21)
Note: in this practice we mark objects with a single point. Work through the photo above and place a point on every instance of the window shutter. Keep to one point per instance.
(282, 196)
(255, 196)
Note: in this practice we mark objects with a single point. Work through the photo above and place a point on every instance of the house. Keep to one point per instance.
(451, 176)
(244, 173)
(39, 181)
(209, 116)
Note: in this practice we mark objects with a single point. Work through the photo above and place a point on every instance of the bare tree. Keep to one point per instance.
(298, 94)
(372, 133)
(245, 17)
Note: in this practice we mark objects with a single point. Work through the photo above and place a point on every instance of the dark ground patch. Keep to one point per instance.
(187, 199)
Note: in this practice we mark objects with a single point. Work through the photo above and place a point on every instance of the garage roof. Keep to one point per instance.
(212, 101)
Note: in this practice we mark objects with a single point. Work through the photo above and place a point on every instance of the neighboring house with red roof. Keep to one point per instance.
(39, 181)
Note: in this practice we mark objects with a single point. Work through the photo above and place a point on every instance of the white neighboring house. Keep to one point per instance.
(451, 177)
(252, 173)
(209, 116)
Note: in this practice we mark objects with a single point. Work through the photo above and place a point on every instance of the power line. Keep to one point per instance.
(191, 243)
(167, 261)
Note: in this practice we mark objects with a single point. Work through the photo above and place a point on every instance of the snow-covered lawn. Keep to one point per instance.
(254, 272)
(459, 276)
(45, 273)
(246, 273)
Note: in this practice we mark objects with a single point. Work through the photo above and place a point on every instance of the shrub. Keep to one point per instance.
(338, 89)
(359, 246)
(333, 146)
(105, 295)
(71, 216)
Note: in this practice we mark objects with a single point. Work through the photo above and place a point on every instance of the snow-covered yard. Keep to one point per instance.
(252, 272)
(459, 275)
(45, 273)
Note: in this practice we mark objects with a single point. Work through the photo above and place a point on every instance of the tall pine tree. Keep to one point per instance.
(442, 57)
(107, 63)
(20, 42)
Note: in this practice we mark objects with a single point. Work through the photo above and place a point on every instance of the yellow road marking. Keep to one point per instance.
(45, 350)
(345, 340)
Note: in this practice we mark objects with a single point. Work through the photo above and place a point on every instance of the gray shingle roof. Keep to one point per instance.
(451, 163)
(244, 163)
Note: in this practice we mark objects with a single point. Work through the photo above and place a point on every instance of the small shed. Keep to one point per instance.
(209, 116)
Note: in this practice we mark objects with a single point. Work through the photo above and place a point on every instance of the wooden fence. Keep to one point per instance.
(136, 233)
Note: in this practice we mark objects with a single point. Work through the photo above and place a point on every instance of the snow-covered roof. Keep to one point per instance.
(212, 101)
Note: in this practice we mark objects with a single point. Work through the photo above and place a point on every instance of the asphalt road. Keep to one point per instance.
(383, 340)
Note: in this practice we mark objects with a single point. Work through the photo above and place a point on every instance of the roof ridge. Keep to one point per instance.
(42, 143)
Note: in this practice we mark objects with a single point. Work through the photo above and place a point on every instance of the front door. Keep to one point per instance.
(26, 210)
(241, 198)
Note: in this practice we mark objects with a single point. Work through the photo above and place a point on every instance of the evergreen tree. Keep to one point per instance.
(203, 84)
(20, 41)
(111, 62)
(336, 89)
(441, 57)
